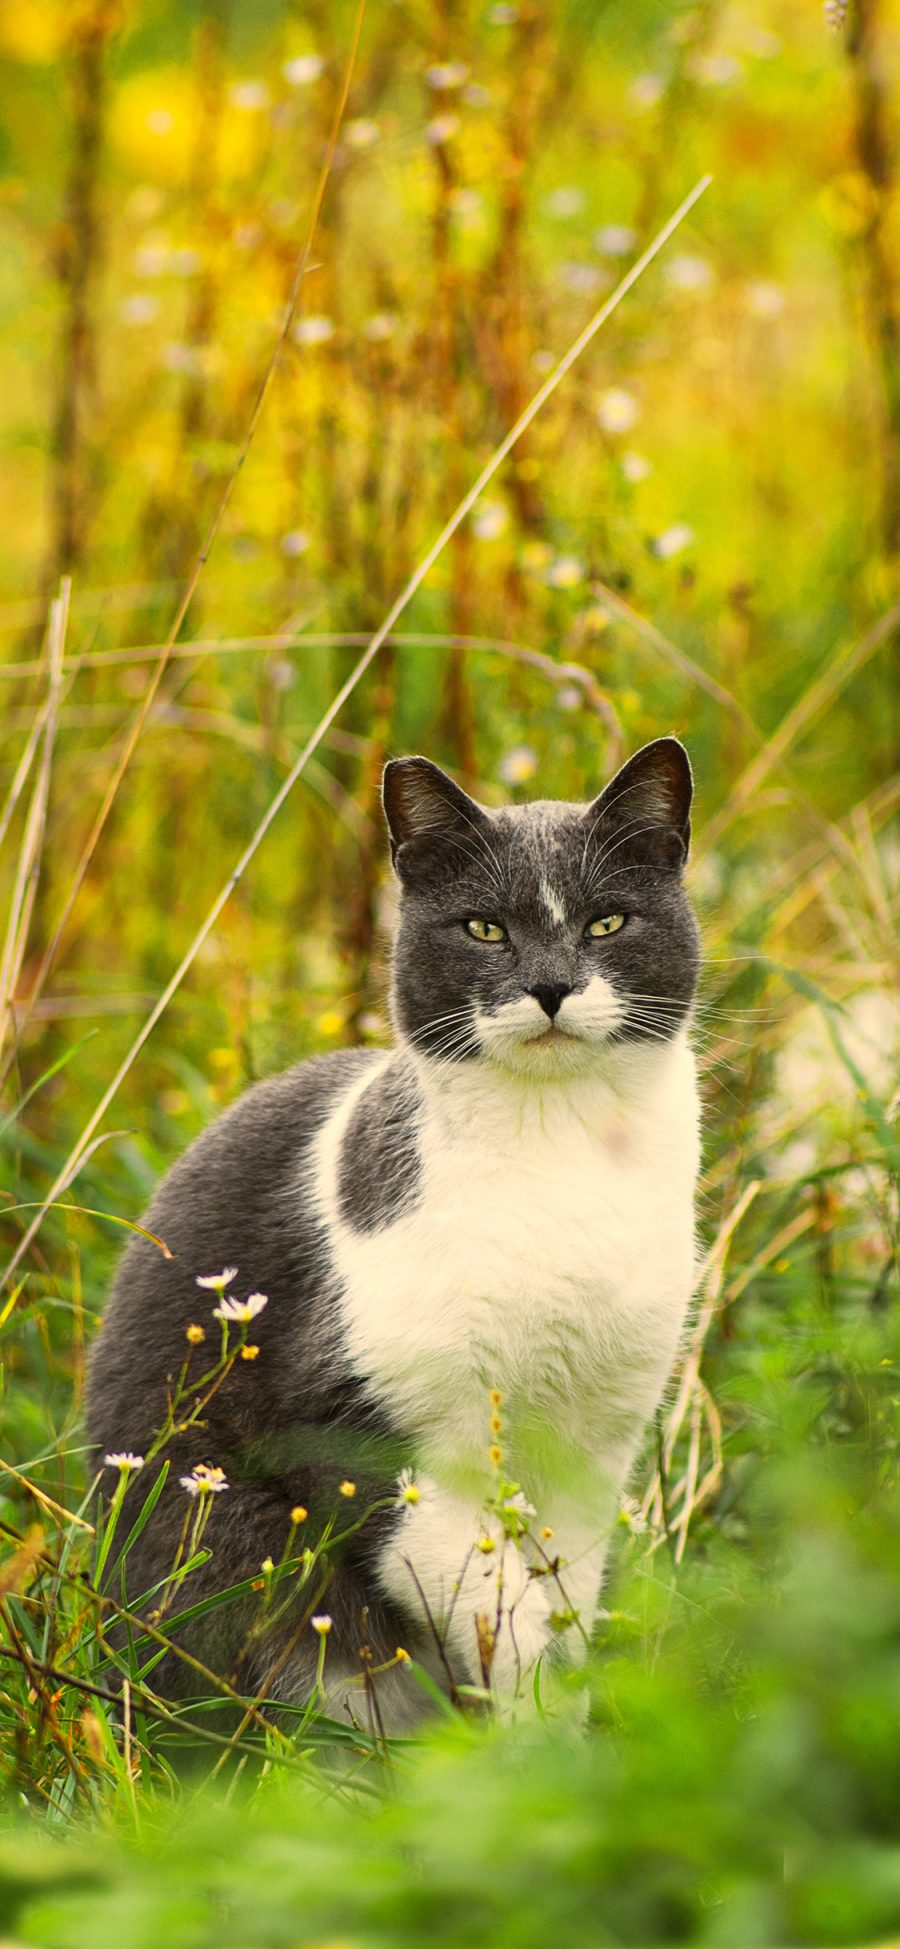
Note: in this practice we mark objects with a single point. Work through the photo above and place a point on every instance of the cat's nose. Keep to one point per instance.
(550, 994)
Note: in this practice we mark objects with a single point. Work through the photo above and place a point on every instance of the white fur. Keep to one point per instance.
(550, 1256)
(551, 901)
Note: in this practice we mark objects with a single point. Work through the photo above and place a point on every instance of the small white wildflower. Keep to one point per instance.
(215, 1282)
(407, 1489)
(372, 1023)
(204, 1481)
(565, 573)
(646, 90)
(316, 330)
(568, 697)
(714, 70)
(447, 74)
(250, 96)
(764, 299)
(632, 1516)
(442, 129)
(153, 257)
(177, 357)
(361, 133)
(466, 204)
(241, 1310)
(583, 280)
(321, 1624)
(185, 262)
(124, 1461)
(490, 521)
(635, 467)
(380, 327)
(518, 765)
(295, 542)
(565, 202)
(304, 69)
(762, 42)
(671, 541)
(518, 1501)
(615, 239)
(617, 410)
(282, 675)
(139, 309)
(686, 273)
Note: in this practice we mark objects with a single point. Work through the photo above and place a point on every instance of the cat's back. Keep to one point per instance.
(234, 1199)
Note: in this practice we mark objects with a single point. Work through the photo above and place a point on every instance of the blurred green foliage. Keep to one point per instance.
(719, 481)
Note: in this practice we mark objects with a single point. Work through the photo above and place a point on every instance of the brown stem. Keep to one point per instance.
(865, 49)
(77, 264)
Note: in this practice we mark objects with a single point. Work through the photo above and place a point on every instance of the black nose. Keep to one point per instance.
(550, 994)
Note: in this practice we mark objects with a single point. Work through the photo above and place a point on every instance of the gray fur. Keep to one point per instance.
(291, 1424)
(380, 1169)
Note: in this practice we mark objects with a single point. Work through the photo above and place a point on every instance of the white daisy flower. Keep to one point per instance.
(241, 1309)
(671, 541)
(441, 129)
(304, 69)
(125, 1461)
(315, 330)
(407, 1490)
(321, 1624)
(447, 74)
(250, 96)
(204, 1481)
(215, 1282)
(518, 765)
(617, 410)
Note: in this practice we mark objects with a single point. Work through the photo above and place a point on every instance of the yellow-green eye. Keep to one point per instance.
(608, 924)
(485, 930)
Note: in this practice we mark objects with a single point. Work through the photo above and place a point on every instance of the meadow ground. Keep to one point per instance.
(269, 302)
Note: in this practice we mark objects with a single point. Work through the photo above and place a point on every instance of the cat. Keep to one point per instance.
(473, 1256)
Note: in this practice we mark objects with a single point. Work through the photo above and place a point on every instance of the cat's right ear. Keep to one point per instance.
(427, 814)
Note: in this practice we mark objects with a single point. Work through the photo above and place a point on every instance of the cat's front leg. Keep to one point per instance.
(484, 1616)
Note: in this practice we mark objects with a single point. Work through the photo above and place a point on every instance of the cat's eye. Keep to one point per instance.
(485, 930)
(606, 924)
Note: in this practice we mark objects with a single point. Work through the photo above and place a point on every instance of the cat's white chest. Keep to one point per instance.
(549, 1255)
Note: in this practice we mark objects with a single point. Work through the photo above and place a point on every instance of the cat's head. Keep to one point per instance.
(539, 935)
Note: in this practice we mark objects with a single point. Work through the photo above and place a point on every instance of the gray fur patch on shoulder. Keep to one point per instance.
(380, 1168)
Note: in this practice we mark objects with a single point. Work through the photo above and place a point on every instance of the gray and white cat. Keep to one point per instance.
(477, 1251)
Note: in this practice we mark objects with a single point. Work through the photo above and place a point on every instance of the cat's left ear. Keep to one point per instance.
(650, 800)
(428, 816)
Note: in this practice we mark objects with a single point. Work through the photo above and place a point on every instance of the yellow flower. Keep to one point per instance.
(496, 1424)
(546, 1534)
(495, 1453)
(195, 1334)
(267, 1566)
(249, 1353)
(496, 1397)
(331, 1023)
(401, 1656)
(348, 1488)
(299, 1514)
(486, 1545)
